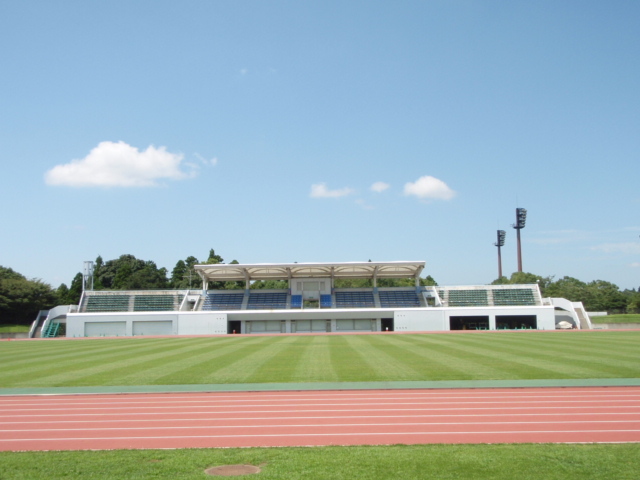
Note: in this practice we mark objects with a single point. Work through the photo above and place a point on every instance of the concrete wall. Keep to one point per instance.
(160, 323)
(211, 322)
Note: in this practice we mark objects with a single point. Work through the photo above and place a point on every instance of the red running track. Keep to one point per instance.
(363, 417)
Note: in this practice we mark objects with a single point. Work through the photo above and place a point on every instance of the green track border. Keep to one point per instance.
(274, 387)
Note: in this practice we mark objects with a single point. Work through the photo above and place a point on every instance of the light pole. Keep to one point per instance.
(521, 219)
(500, 243)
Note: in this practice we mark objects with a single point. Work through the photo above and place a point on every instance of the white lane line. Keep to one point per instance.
(189, 399)
(308, 434)
(311, 425)
(213, 397)
(293, 410)
(291, 417)
(321, 404)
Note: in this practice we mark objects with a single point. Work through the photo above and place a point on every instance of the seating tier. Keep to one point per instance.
(107, 303)
(514, 296)
(354, 299)
(154, 303)
(402, 298)
(267, 301)
(223, 301)
(468, 298)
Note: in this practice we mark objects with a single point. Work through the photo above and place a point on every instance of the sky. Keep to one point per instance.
(322, 131)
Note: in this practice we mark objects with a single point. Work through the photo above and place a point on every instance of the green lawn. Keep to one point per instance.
(621, 318)
(433, 462)
(322, 358)
(14, 328)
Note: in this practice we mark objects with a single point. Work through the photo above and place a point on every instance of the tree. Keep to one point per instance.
(633, 301)
(97, 270)
(63, 294)
(178, 274)
(605, 296)
(429, 281)
(524, 278)
(213, 258)
(75, 290)
(21, 298)
(128, 273)
(569, 288)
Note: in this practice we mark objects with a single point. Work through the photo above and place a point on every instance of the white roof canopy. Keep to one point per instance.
(286, 271)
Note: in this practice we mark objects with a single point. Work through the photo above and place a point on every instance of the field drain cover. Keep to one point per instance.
(232, 470)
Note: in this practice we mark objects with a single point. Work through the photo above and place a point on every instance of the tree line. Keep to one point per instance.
(21, 298)
(597, 296)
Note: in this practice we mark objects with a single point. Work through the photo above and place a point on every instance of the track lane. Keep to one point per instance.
(78, 422)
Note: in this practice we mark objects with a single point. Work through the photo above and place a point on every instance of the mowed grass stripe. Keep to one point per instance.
(610, 344)
(109, 369)
(314, 365)
(280, 359)
(31, 353)
(243, 368)
(578, 347)
(348, 362)
(384, 366)
(104, 355)
(438, 364)
(218, 357)
(509, 365)
(177, 367)
(281, 366)
(584, 362)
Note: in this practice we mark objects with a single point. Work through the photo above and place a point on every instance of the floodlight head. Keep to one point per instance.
(501, 235)
(521, 218)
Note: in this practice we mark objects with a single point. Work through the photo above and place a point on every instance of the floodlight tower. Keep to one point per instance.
(521, 219)
(500, 243)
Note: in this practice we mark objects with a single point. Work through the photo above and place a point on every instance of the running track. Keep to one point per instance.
(363, 417)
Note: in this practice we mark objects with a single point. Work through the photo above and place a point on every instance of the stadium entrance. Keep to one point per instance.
(516, 322)
(475, 322)
(387, 324)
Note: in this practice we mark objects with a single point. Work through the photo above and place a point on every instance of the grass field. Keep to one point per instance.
(320, 358)
(328, 358)
(14, 328)
(621, 318)
(433, 462)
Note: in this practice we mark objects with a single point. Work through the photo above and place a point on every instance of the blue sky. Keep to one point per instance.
(326, 130)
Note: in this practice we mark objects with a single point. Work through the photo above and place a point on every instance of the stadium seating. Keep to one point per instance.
(326, 301)
(107, 303)
(358, 299)
(467, 298)
(154, 303)
(401, 298)
(223, 301)
(296, 301)
(267, 301)
(514, 296)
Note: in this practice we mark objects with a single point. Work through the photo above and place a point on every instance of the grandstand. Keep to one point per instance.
(313, 303)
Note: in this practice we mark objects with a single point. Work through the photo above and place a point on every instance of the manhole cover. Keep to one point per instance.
(232, 470)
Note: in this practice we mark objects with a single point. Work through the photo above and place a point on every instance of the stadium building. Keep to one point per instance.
(311, 303)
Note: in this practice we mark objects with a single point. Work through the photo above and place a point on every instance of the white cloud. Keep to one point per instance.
(628, 248)
(320, 190)
(209, 162)
(429, 187)
(635, 265)
(363, 204)
(379, 187)
(113, 164)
